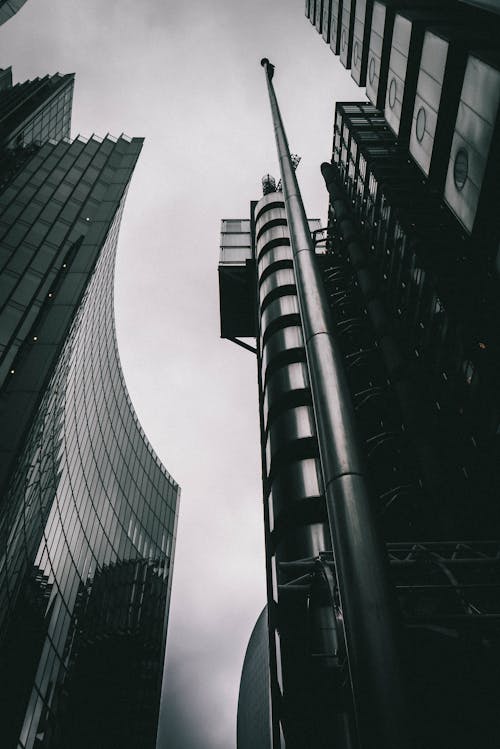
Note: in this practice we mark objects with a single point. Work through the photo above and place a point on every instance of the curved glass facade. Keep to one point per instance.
(254, 701)
(88, 524)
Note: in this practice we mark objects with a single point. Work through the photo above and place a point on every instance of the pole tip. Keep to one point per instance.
(268, 66)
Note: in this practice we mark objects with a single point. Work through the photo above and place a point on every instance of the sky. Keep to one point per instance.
(186, 75)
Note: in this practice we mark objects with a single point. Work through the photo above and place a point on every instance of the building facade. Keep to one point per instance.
(88, 513)
(8, 8)
(406, 278)
(254, 700)
(34, 111)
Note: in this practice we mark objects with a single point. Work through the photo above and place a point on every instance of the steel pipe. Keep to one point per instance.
(360, 558)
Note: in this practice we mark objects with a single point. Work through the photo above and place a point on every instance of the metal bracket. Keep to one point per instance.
(243, 345)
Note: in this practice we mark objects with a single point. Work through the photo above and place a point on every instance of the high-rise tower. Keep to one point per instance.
(8, 8)
(34, 111)
(379, 419)
(87, 511)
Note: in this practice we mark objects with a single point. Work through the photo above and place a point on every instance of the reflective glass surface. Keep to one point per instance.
(87, 525)
(8, 8)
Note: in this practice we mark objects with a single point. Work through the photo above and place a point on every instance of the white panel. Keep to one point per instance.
(427, 99)
(375, 51)
(397, 72)
(477, 113)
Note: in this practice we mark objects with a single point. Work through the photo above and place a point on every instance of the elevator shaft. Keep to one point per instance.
(369, 623)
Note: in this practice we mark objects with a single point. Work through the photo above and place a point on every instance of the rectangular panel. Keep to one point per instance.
(375, 52)
(476, 121)
(348, 10)
(335, 25)
(312, 11)
(360, 40)
(427, 100)
(319, 15)
(398, 63)
(325, 27)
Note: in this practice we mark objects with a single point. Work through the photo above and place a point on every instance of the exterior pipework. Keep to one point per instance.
(361, 565)
(295, 513)
(288, 422)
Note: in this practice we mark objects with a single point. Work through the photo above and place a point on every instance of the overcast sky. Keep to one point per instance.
(185, 74)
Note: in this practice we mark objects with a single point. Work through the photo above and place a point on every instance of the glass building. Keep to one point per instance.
(8, 8)
(254, 701)
(87, 511)
(34, 111)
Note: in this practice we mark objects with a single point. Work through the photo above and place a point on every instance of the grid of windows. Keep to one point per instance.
(88, 523)
(36, 111)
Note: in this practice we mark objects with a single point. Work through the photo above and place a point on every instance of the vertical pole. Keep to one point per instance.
(360, 559)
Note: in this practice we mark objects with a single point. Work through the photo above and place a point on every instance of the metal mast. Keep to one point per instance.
(361, 565)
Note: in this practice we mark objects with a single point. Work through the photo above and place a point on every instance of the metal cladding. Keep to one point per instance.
(422, 304)
(236, 287)
(346, 31)
(472, 166)
(379, 52)
(335, 26)
(407, 40)
(326, 22)
(319, 16)
(295, 509)
(416, 57)
(362, 24)
(361, 572)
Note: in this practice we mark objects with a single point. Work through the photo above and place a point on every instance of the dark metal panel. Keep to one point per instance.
(346, 31)
(360, 40)
(290, 426)
(326, 23)
(319, 16)
(296, 481)
(283, 382)
(336, 26)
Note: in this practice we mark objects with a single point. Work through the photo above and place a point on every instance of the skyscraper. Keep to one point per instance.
(8, 8)
(37, 110)
(378, 363)
(87, 513)
(254, 701)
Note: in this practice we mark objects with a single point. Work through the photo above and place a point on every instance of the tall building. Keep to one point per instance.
(378, 365)
(87, 511)
(8, 8)
(34, 111)
(254, 700)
